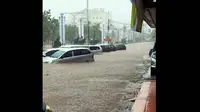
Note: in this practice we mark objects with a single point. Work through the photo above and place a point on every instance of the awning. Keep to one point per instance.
(143, 10)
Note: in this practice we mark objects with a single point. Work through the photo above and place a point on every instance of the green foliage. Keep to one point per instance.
(71, 32)
(94, 41)
(57, 43)
(79, 41)
(51, 31)
(123, 41)
(50, 27)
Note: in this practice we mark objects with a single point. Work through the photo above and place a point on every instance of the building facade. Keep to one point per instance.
(95, 16)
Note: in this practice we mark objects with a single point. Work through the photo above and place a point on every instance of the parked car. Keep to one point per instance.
(96, 49)
(112, 47)
(152, 54)
(105, 47)
(120, 47)
(70, 55)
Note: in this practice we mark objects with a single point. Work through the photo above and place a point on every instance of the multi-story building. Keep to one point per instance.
(95, 16)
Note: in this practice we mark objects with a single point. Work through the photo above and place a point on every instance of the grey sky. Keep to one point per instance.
(121, 9)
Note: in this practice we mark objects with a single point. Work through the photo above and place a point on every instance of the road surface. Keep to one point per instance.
(101, 86)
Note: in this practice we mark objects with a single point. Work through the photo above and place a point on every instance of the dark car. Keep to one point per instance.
(112, 48)
(105, 47)
(152, 53)
(152, 50)
(120, 47)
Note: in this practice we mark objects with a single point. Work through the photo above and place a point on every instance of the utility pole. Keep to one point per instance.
(124, 31)
(87, 39)
(102, 34)
(108, 25)
(118, 35)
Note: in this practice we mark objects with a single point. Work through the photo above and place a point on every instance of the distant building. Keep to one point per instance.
(95, 16)
(146, 28)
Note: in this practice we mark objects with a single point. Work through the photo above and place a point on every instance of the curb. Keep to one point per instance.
(146, 99)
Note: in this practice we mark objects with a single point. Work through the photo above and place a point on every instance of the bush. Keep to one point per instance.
(57, 43)
(123, 41)
(79, 41)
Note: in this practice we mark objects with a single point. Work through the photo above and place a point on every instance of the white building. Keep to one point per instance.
(95, 16)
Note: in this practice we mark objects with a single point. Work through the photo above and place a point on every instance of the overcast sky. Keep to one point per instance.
(121, 9)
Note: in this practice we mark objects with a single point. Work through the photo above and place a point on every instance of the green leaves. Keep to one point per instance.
(51, 30)
(50, 26)
(57, 43)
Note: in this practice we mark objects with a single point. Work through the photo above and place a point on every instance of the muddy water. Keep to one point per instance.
(105, 85)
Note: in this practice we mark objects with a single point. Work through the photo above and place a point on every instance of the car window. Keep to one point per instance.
(103, 46)
(67, 54)
(85, 51)
(94, 48)
(57, 54)
(77, 52)
(49, 53)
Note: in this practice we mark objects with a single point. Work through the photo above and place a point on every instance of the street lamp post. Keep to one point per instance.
(87, 39)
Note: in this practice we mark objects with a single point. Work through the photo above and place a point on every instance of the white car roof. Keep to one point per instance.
(102, 44)
(52, 49)
(68, 46)
(72, 45)
(69, 49)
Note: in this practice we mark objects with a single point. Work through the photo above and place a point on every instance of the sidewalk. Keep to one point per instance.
(146, 100)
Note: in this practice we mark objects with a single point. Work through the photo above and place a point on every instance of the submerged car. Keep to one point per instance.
(70, 55)
(105, 47)
(120, 47)
(112, 47)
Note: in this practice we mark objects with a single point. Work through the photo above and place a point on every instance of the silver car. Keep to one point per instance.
(70, 55)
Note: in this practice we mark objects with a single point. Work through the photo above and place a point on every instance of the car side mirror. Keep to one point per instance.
(150, 52)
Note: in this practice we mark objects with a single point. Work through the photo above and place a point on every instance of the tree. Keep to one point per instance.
(50, 27)
(71, 33)
(123, 40)
(46, 25)
(57, 43)
(55, 28)
(96, 34)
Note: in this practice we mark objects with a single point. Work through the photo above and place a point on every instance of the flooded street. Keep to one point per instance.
(105, 85)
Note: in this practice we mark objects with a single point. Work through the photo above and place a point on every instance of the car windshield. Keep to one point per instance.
(57, 54)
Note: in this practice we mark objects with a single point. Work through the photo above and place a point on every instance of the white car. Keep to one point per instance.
(96, 49)
(70, 55)
(49, 52)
